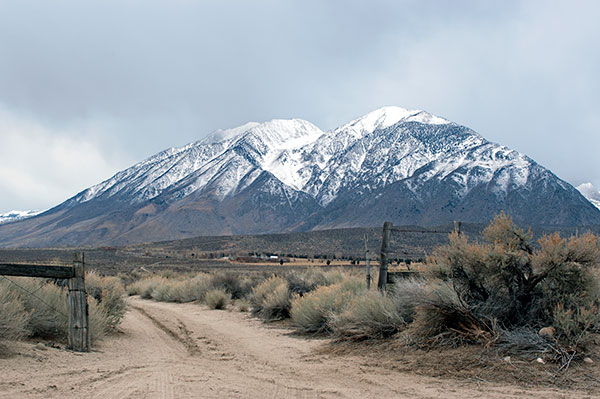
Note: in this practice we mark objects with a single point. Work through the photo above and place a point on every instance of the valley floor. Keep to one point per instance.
(188, 351)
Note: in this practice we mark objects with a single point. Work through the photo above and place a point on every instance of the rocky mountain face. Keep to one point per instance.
(408, 167)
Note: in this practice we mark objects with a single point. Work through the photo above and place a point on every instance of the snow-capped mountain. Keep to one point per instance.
(13, 216)
(406, 166)
(590, 192)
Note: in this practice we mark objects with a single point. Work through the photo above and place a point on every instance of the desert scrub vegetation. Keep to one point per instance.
(271, 299)
(368, 315)
(519, 296)
(181, 288)
(13, 317)
(217, 298)
(312, 312)
(38, 308)
(109, 295)
(506, 290)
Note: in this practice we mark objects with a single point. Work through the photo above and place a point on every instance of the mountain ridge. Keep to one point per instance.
(407, 166)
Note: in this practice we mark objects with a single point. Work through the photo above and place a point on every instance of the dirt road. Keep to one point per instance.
(187, 351)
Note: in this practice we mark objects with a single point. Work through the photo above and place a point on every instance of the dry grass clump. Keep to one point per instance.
(48, 313)
(406, 294)
(186, 288)
(37, 307)
(243, 305)
(192, 290)
(312, 312)
(369, 315)
(217, 298)
(146, 287)
(231, 282)
(13, 318)
(110, 295)
(271, 299)
(302, 282)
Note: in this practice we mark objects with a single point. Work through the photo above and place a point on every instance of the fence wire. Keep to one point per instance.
(30, 293)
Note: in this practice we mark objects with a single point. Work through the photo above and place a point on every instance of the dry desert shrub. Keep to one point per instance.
(13, 317)
(230, 282)
(302, 282)
(480, 292)
(146, 286)
(271, 299)
(370, 315)
(47, 308)
(192, 290)
(406, 293)
(243, 305)
(217, 298)
(41, 305)
(110, 296)
(312, 312)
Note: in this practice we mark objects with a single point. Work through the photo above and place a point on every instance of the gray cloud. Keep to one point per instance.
(126, 79)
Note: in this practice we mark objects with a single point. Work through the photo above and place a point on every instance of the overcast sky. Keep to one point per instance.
(89, 88)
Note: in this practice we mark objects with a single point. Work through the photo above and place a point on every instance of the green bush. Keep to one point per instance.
(217, 298)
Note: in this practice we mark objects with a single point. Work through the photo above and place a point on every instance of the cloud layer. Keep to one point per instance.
(88, 88)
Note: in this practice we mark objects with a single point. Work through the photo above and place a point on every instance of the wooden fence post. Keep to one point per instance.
(457, 227)
(368, 262)
(79, 333)
(383, 265)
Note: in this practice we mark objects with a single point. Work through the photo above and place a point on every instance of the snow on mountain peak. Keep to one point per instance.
(287, 133)
(306, 159)
(13, 216)
(221, 135)
(590, 192)
(388, 116)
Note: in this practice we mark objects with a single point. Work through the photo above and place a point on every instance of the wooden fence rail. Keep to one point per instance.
(386, 236)
(78, 330)
(48, 271)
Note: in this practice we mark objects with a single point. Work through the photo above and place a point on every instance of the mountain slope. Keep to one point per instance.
(409, 167)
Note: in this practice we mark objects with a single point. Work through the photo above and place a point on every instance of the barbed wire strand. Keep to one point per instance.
(35, 296)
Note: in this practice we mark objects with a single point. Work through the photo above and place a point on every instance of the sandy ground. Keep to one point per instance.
(187, 351)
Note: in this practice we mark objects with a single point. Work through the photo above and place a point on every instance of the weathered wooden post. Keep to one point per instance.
(457, 227)
(368, 262)
(383, 265)
(79, 333)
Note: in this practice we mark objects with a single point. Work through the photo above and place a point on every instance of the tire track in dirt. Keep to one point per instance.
(185, 339)
(187, 351)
